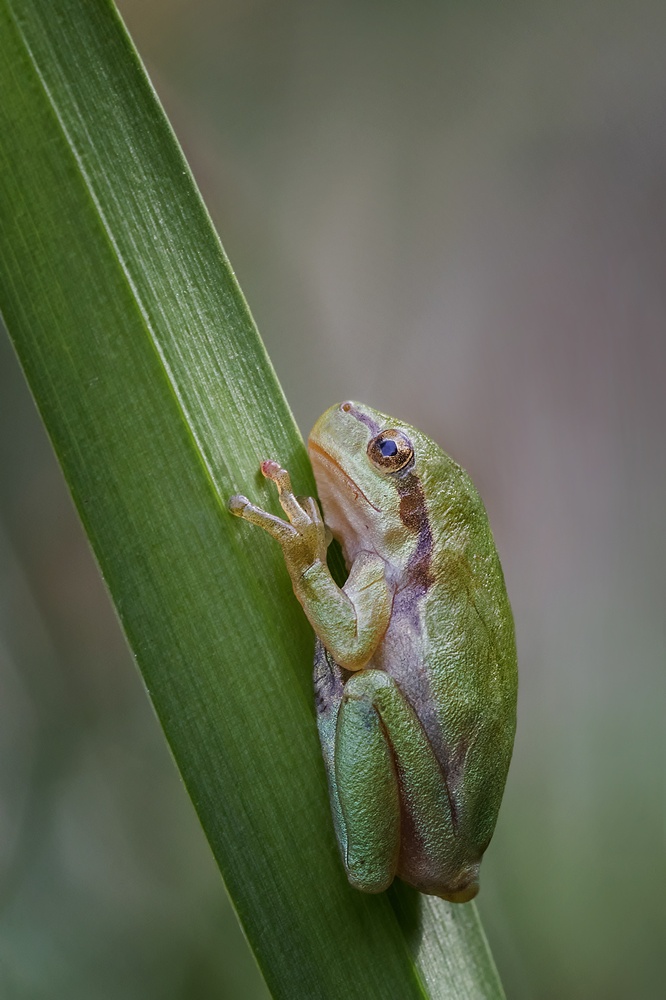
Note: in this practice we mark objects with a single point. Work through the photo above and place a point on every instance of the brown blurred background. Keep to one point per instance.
(457, 213)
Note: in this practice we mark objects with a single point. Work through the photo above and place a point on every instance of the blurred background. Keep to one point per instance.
(457, 213)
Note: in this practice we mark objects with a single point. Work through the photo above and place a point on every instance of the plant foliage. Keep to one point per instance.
(160, 402)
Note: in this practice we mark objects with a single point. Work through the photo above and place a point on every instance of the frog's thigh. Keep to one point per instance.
(367, 786)
(409, 766)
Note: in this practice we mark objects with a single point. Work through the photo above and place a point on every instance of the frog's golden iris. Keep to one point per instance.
(391, 450)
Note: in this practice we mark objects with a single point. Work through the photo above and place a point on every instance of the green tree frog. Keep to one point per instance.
(415, 663)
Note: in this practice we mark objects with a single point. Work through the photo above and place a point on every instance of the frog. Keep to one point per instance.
(415, 668)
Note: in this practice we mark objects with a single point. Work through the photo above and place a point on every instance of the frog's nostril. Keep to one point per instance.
(346, 407)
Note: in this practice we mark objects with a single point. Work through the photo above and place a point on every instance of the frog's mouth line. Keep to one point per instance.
(350, 482)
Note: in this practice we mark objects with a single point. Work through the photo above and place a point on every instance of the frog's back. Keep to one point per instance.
(471, 656)
(450, 645)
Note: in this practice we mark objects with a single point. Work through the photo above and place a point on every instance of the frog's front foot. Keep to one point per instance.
(303, 537)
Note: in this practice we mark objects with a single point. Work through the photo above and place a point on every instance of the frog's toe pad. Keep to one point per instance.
(271, 469)
(237, 504)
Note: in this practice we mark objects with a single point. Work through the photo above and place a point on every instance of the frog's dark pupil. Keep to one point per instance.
(388, 448)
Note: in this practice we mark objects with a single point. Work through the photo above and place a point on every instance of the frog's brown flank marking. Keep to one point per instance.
(411, 508)
(414, 515)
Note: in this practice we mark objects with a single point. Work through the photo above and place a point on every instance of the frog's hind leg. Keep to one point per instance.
(361, 777)
(389, 795)
(367, 785)
(393, 794)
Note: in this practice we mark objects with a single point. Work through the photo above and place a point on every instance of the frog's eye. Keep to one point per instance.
(390, 451)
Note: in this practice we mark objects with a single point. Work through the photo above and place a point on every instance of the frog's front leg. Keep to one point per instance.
(350, 621)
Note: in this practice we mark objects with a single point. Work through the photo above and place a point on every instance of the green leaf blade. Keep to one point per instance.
(161, 402)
